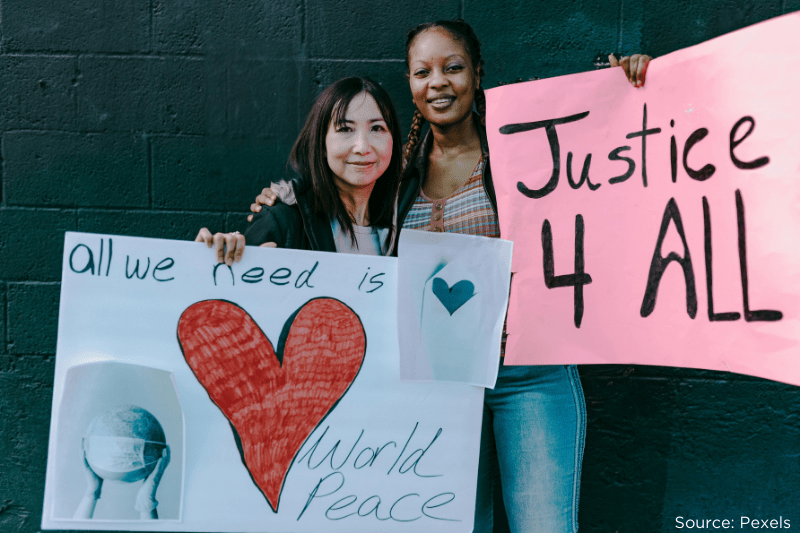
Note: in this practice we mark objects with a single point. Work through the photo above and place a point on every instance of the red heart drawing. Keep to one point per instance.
(274, 401)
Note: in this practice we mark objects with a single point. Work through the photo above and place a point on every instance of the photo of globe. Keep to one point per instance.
(124, 443)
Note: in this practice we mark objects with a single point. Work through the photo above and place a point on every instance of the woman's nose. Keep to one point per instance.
(437, 79)
(361, 142)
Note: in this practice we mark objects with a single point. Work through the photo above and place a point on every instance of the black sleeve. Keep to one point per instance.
(281, 224)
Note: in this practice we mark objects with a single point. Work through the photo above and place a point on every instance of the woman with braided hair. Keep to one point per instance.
(534, 420)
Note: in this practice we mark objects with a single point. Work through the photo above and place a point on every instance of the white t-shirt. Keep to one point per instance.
(368, 239)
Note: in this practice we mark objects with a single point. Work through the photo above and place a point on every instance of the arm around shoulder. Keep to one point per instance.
(280, 223)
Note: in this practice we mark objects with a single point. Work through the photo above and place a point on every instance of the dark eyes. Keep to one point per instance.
(421, 73)
(375, 128)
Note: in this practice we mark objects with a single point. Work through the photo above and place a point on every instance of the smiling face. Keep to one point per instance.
(442, 78)
(360, 147)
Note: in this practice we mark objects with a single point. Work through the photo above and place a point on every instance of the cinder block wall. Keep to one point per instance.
(155, 117)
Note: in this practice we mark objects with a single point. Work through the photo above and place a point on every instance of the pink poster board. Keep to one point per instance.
(707, 151)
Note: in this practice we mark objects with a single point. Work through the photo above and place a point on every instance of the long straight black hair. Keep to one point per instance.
(308, 158)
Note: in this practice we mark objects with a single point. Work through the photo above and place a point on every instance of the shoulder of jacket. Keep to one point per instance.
(284, 213)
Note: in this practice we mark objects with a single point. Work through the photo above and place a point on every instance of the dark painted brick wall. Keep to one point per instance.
(155, 117)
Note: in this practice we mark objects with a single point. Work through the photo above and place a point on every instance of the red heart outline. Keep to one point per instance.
(273, 401)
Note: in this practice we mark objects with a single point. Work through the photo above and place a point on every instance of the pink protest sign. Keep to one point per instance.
(657, 225)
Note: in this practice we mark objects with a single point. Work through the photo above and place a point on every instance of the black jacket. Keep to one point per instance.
(416, 169)
(292, 226)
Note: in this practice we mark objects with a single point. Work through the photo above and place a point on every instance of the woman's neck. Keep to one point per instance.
(356, 202)
(452, 140)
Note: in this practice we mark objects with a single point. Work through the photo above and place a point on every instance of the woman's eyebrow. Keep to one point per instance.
(427, 61)
(418, 64)
(374, 120)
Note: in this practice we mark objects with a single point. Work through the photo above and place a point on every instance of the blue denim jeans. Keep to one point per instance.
(531, 444)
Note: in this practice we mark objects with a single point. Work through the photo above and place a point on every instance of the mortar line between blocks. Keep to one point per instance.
(2, 175)
(151, 26)
(6, 319)
(105, 55)
(359, 60)
(149, 171)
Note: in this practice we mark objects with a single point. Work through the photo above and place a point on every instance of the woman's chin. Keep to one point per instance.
(357, 181)
(446, 117)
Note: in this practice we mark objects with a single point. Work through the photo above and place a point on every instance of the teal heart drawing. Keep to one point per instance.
(453, 297)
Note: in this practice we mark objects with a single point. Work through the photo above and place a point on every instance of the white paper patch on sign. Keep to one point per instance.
(120, 444)
(453, 294)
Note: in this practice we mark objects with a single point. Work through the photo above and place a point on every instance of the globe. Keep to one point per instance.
(124, 443)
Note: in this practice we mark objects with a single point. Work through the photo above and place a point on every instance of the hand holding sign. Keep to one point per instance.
(635, 67)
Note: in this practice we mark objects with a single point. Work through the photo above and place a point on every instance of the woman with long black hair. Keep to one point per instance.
(346, 164)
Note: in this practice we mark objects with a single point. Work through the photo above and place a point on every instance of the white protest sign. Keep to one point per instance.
(453, 294)
(265, 397)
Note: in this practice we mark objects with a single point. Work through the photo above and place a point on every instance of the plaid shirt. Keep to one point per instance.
(468, 211)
